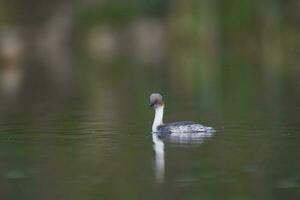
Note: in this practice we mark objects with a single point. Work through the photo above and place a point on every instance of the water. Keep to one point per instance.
(75, 80)
(73, 152)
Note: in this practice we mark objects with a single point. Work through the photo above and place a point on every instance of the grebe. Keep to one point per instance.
(182, 129)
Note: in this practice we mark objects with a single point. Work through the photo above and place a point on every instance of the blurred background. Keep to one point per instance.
(75, 72)
(214, 49)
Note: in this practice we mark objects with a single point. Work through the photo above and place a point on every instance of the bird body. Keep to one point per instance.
(176, 128)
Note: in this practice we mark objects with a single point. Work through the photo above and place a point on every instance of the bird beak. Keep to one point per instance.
(151, 105)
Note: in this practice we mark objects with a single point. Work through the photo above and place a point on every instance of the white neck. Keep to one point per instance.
(158, 119)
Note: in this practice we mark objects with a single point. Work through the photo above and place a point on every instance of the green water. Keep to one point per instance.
(75, 80)
(74, 149)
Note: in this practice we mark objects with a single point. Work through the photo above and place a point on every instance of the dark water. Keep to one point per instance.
(65, 150)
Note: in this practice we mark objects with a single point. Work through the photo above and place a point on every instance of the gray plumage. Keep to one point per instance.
(183, 127)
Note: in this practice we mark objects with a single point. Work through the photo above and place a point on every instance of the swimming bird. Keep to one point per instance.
(182, 128)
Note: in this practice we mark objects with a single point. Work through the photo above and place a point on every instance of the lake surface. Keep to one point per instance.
(75, 80)
(67, 150)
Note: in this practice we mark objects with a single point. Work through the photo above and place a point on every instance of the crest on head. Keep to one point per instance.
(156, 100)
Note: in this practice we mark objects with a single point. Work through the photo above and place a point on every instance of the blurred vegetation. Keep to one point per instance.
(217, 51)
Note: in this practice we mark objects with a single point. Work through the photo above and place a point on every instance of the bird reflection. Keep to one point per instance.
(158, 147)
